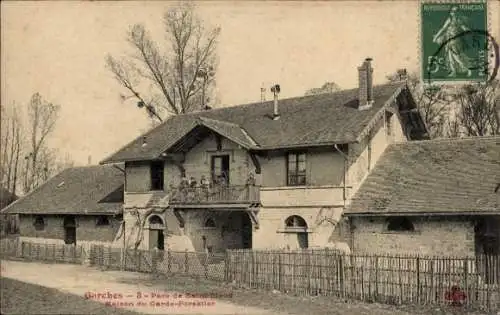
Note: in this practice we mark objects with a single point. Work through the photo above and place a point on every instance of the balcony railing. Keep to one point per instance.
(214, 195)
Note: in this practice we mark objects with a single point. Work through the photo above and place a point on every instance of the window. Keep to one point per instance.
(209, 223)
(157, 175)
(295, 221)
(102, 220)
(220, 169)
(155, 220)
(39, 223)
(400, 224)
(296, 169)
(297, 227)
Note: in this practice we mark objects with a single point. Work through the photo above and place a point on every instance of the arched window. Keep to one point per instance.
(400, 224)
(296, 227)
(39, 223)
(155, 222)
(209, 223)
(295, 222)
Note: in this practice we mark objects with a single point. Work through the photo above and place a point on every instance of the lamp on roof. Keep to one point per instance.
(205, 74)
(276, 89)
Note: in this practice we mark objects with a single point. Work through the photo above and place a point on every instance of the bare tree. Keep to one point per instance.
(478, 113)
(11, 143)
(177, 76)
(432, 101)
(42, 117)
(328, 87)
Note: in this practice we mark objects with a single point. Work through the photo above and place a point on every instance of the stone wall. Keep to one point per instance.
(86, 230)
(451, 236)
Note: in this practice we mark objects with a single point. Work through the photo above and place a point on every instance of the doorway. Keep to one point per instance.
(220, 169)
(246, 230)
(69, 224)
(156, 233)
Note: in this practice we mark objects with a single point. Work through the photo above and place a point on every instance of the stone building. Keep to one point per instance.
(274, 174)
(79, 205)
(435, 197)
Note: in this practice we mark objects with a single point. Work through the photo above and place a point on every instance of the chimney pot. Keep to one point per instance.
(365, 84)
(276, 90)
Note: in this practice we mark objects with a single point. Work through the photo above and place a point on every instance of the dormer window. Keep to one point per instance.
(157, 175)
(296, 169)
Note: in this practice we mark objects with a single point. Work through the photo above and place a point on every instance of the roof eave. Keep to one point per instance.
(379, 113)
(419, 213)
(71, 213)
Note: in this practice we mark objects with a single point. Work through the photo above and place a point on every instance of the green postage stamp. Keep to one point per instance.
(455, 42)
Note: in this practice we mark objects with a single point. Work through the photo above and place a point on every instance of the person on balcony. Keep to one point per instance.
(204, 186)
(183, 188)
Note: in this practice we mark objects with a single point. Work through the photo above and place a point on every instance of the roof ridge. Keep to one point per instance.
(287, 99)
(219, 120)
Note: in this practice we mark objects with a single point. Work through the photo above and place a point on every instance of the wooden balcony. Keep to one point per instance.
(215, 195)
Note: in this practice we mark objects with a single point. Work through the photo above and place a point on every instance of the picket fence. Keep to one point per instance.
(464, 282)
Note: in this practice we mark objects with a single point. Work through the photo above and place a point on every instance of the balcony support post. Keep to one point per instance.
(255, 162)
(180, 217)
(253, 216)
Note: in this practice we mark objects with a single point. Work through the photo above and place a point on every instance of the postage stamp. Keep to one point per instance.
(455, 43)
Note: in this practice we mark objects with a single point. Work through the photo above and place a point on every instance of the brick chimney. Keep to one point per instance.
(365, 73)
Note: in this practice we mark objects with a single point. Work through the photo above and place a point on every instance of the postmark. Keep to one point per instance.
(455, 43)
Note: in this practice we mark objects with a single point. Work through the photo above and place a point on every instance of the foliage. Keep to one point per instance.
(177, 75)
(328, 87)
(478, 109)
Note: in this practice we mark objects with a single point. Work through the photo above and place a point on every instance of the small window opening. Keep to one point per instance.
(400, 224)
(39, 223)
(209, 223)
(102, 220)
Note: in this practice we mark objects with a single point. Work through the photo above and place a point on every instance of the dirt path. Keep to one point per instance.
(122, 289)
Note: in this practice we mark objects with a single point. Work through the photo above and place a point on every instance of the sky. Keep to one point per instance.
(58, 49)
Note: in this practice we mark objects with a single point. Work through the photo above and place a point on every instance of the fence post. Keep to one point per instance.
(154, 260)
(205, 265)
(122, 258)
(169, 261)
(227, 267)
(418, 279)
(279, 272)
(186, 269)
(341, 275)
(466, 280)
(22, 250)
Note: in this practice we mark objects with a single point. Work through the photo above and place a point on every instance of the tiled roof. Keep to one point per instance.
(309, 120)
(78, 190)
(447, 176)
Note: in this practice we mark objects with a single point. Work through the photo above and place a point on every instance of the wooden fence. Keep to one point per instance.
(472, 281)
(385, 279)
(60, 253)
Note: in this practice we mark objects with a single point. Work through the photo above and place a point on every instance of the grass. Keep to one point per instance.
(22, 298)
